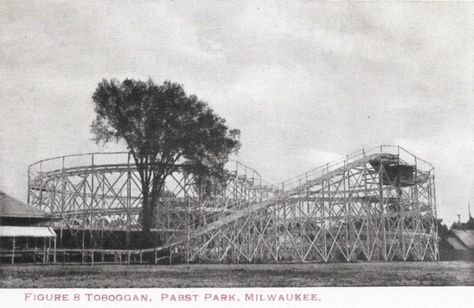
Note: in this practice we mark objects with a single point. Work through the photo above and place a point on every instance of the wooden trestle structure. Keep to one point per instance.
(372, 205)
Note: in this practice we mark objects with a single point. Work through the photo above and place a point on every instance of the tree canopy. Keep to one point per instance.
(164, 129)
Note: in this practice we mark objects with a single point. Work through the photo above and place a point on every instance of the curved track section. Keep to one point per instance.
(97, 198)
(371, 205)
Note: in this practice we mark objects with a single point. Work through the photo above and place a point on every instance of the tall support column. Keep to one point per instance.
(128, 203)
(63, 201)
(432, 197)
(383, 210)
(41, 202)
(44, 250)
(188, 238)
(83, 224)
(403, 218)
(13, 250)
(368, 211)
(301, 221)
(322, 206)
(346, 212)
(54, 255)
(104, 205)
(91, 204)
(275, 232)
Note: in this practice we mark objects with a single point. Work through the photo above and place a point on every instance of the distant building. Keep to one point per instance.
(22, 239)
(457, 245)
(13, 212)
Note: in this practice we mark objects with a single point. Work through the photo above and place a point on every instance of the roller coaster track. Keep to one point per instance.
(279, 197)
(371, 205)
(402, 239)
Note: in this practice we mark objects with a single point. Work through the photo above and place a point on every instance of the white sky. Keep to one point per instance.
(305, 82)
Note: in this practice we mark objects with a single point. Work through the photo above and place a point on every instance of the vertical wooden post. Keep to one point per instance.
(44, 250)
(381, 201)
(13, 250)
(368, 213)
(40, 201)
(91, 215)
(275, 232)
(48, 250)
(128, 203)
(83, 229)
(63, 200)
(433, 197)
(323, 220)
(346, 207)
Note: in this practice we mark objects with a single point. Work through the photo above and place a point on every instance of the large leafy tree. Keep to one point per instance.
(165, 130)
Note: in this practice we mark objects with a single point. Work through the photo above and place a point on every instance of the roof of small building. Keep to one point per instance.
(11, 207)
(14, 231)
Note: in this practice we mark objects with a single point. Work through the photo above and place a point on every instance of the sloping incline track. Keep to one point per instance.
(367, 207)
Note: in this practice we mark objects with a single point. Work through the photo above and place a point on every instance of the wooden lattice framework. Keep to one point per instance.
(372, 205)
(98, 196)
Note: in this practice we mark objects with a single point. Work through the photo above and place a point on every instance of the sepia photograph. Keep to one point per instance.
(234, 147)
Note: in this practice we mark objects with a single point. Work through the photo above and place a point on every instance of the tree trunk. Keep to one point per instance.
(155, 195)
(149, 204)
(147, 218)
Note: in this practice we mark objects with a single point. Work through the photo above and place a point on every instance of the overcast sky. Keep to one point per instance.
(305, 82)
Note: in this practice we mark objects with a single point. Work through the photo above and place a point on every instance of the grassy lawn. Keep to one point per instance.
(238, 275)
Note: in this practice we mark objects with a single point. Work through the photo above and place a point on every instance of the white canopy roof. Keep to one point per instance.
(13, 231)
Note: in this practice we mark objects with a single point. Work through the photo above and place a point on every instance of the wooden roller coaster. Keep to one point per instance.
(372, 205)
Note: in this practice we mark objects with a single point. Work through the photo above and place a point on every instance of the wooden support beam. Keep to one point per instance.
(13, 251)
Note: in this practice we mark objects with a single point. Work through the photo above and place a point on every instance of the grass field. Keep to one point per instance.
(238, 275)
